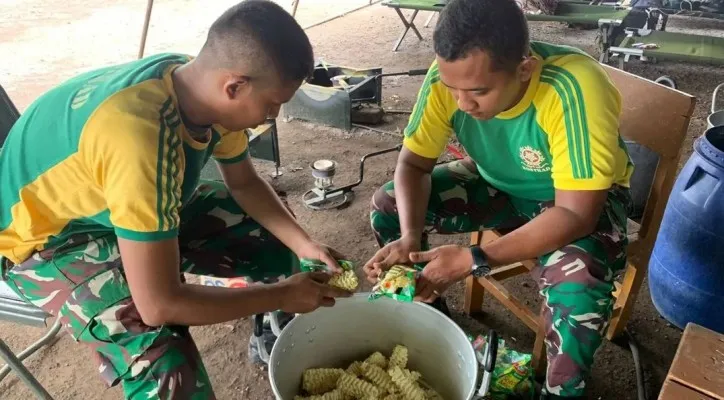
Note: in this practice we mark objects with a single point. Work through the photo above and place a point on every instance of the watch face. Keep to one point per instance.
(479, 271)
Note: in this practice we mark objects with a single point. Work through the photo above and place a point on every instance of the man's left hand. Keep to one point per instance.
(446, 265)
(314, 250)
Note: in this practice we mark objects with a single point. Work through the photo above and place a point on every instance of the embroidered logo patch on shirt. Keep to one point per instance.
(533, 160)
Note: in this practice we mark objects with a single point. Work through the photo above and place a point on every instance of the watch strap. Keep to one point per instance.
(480, 265)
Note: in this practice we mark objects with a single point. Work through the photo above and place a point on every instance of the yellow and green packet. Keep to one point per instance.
(398, 283)
(347, 280)
(513, 374)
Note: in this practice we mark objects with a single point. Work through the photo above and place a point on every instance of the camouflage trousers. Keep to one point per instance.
(82, 281)
(576, 281)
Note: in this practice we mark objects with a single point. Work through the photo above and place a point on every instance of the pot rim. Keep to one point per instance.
(276, 350)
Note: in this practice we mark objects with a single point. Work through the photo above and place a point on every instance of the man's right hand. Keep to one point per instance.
(305, 292)
(394, 253)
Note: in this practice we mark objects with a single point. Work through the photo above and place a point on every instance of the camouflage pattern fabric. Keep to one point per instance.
(575, 281)
(83, 282)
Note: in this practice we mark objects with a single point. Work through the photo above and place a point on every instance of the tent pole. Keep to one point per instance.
(144, 34)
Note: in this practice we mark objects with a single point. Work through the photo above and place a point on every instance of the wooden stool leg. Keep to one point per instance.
(539, 359)
(625, 302)
(474, 291)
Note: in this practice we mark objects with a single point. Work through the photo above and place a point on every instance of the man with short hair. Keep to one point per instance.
(539, 123)
(102, 208)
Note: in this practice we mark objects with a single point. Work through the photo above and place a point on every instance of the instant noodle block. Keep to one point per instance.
(347, 280)
(375, 377)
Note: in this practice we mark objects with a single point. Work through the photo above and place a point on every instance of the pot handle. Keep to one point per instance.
(713, 98)
(488, 364)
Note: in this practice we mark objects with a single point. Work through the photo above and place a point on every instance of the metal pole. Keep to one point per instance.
(145, 28)
(23, 373)
(46, 339)
(295, 4)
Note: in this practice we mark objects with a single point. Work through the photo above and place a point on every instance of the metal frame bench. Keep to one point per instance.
(13, 308)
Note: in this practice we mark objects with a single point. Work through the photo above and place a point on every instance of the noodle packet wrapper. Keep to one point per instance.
(398, 283)
(512, 376)
(346, 280)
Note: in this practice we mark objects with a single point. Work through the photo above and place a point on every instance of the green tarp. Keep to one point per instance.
(422, 5)
(565, 12)
(680, 47)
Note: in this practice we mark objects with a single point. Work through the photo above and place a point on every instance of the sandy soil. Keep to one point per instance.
(47, 46)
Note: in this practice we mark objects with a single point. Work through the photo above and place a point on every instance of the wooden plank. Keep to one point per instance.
(653, 115)
(625, 300)
(675, 391)
(699, 361)
(510, 302)
(474, 294)
(475, 238)
(508, 271)
(539, 359)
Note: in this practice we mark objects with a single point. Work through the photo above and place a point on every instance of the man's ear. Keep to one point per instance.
(236, 86)
(526, 68)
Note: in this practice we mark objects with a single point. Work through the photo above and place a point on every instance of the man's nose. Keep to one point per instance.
(466, 104)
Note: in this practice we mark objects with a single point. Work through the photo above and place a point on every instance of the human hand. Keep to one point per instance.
(446, 265)
(307, 291)
(397, 252)
(314, 250)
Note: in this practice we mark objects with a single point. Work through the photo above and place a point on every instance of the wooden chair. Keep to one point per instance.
(656, 117)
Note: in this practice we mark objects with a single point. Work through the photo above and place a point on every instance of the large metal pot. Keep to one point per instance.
(354, 328)
(716, 118)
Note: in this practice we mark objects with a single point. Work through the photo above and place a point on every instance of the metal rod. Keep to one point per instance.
(295, 4)
(429, 19)
(47, 338)
(341, 15)
(144, 33)
(376, 130)
(23, 373)
(349, 187)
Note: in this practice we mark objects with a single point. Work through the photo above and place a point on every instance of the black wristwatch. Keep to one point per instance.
(480, 266)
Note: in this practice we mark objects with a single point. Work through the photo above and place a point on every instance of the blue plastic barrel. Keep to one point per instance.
(686, 270)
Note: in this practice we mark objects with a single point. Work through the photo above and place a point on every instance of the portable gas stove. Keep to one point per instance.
(324, 196)
(341, 96)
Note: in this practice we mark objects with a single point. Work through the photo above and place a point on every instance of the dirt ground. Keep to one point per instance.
(46, 45)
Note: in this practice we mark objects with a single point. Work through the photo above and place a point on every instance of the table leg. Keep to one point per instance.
(408, 25)
(429, 19)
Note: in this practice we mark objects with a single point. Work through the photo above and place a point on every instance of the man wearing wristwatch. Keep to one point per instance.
(539, 123)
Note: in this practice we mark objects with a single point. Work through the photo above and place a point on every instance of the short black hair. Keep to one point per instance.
(497, 27)
(258, 32)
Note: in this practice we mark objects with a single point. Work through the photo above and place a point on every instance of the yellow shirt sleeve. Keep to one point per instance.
(580, 112)
(233, 146)
(138, 163)
(429, 127)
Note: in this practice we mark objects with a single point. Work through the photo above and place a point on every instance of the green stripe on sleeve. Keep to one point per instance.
(569, 125)
(432, 77)
(581, 108)
(145, 236)
(576, 125)
(235, 159)
(163, 130)
(171, 182)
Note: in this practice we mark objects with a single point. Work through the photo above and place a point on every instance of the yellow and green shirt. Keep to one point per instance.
(563, 134)
(106, 150)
